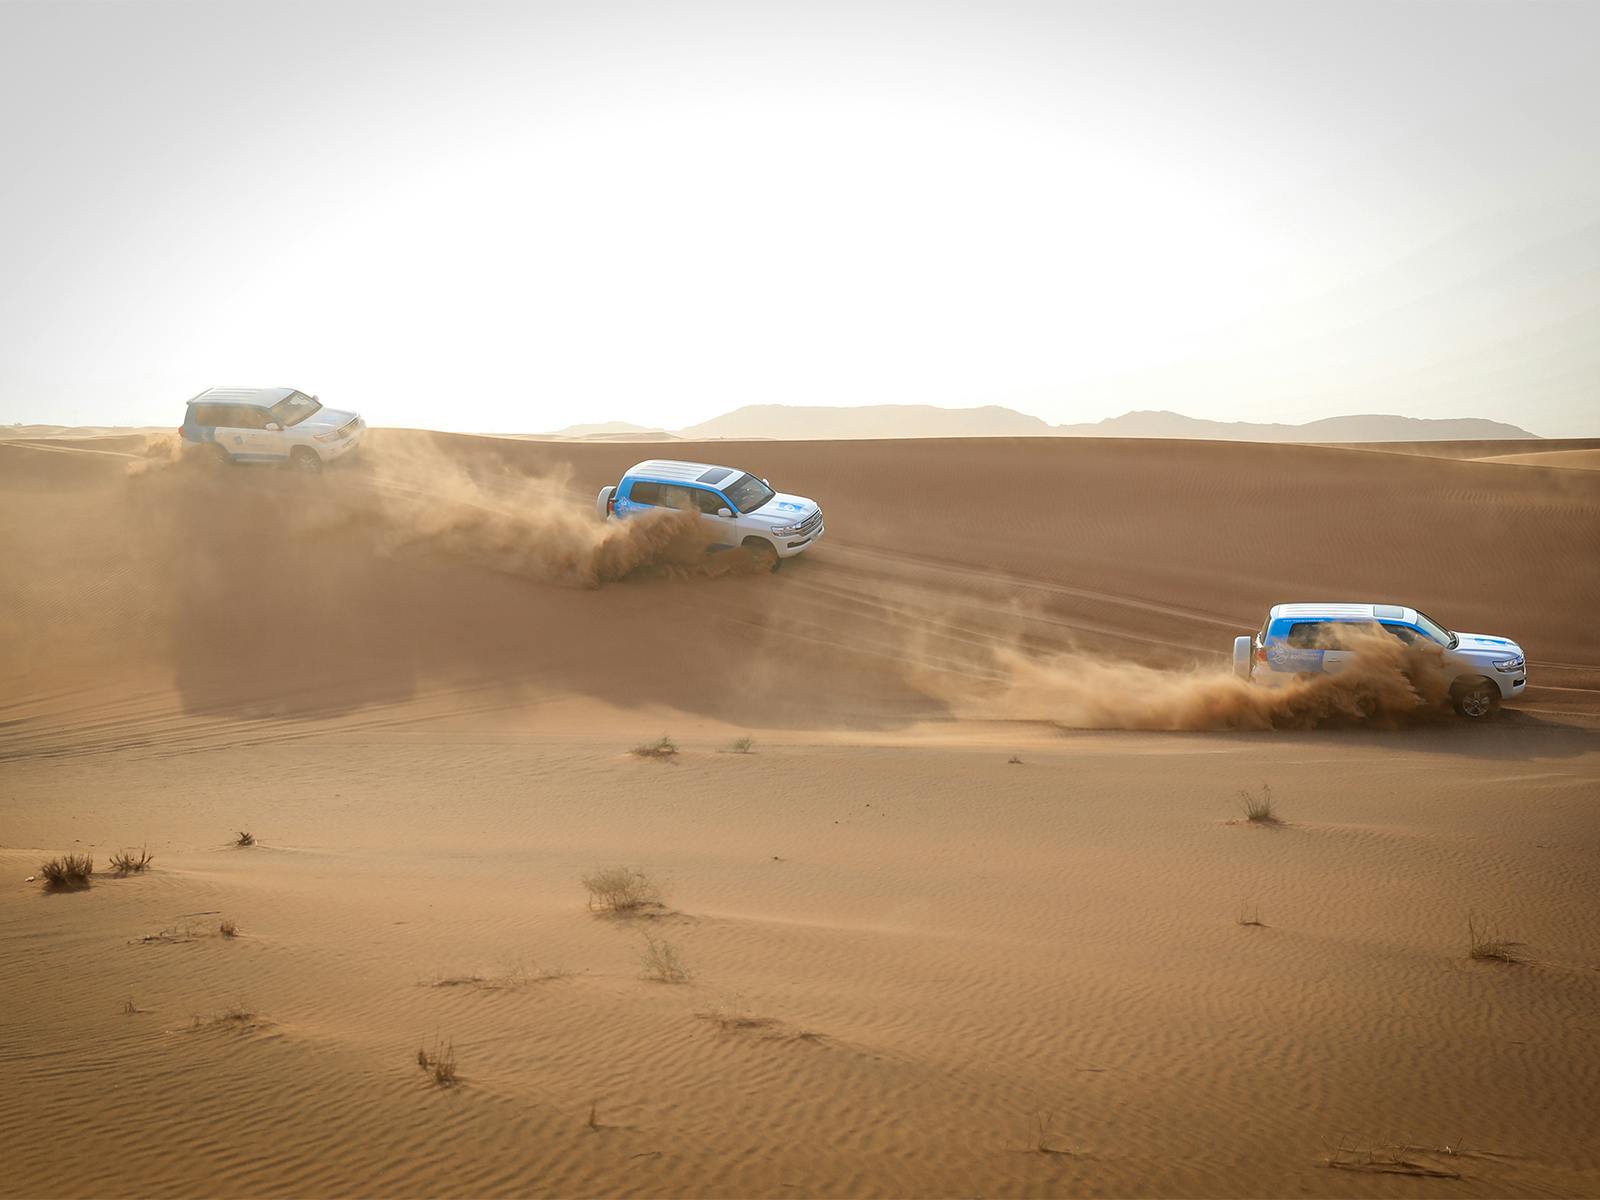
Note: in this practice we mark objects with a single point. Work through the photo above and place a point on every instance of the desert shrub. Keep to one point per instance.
(127, 862)
(245, 839)
(621, 890)
(742, 745)
(1485, 944)
(662, 747)
(439, 1063)
(227, 929)
(1259, 808)
(68, 872)
(662, 962)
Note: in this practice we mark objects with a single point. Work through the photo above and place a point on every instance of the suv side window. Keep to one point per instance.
(1406, 634)
(210, 414)
(1310, 635)
(707, 501)
(645, 492)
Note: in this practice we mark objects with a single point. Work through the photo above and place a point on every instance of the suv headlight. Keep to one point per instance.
(1509, 664)
(785, 530)
(326, 437)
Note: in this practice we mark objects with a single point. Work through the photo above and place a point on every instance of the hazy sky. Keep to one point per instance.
(517, 216)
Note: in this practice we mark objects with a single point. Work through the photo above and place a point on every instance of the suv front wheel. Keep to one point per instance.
(304, 458)
(1475, 699)
(762, 552)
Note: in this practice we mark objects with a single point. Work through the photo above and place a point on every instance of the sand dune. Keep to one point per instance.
(913, 962)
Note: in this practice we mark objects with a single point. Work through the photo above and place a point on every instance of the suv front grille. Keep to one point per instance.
(809, 526)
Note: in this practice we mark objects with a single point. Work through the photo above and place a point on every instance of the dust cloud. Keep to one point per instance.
(1385, 683)
(418, 503)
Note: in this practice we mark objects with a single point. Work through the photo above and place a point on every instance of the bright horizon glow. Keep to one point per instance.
(509, 217)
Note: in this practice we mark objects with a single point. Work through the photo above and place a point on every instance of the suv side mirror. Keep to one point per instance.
(768, 482)
(724, 512)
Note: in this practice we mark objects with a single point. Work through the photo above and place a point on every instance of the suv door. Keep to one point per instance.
(724, 531)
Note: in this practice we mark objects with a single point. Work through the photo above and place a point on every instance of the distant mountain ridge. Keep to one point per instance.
(783, 421)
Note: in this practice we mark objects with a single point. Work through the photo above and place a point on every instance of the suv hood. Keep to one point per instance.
(325, 418)
(784, 509)
(1483, 646)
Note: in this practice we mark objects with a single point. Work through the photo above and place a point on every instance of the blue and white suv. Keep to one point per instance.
(1299, 640)
(737, 508)
(277, 425)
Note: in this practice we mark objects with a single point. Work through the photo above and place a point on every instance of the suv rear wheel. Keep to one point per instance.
(1475, 699)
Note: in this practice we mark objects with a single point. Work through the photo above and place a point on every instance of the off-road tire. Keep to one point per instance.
(304, 458)
(763, 552)
(1476, 699)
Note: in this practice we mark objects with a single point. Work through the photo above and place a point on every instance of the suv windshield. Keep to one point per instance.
(748, 493)
(1436, 631)
(291, 410)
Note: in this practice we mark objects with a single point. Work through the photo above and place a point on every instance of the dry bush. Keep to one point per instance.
(662, 747)
(245, 839)
(1485, 944)
(128, 862)
(227, 929)
(512, 978)
(1258, 809)
(238, 1016)
(439, 1063)
(1043, 1135)
(621, 890)
(741, 745)
(171, 934)
(67, 873)
(1014, 761)
(661, 962)
(1390, 1160)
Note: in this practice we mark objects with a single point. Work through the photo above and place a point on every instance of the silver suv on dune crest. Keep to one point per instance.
(1297, 641)
(269, 425)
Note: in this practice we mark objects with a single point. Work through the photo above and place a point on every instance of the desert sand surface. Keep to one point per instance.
(976, 913)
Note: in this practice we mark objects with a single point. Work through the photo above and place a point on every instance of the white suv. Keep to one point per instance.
(1304, 639)
(737, 508)
(277, 425)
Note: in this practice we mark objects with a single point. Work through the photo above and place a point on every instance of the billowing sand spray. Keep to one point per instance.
(415, 501)
(1384, 683)
(531, 526)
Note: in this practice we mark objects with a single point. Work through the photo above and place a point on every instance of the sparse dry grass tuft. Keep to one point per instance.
(1258, 809)
(662, 747)
(742, 745)
(1485, 944)
(227, 929)
(237, 1016)
(129, 862)
(661, 961)
(439, 1063)
(1014, 761)
(70, 872)
(623, 890)
(245, 839)
(1390, 1160)
(510, 979)
(1044, 1135)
